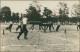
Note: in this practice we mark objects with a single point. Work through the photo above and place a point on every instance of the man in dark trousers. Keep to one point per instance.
(23, 28)
(9, 27)
(78, 26)
(58, 26)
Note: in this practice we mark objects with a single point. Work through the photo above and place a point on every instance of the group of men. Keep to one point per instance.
(22, 25)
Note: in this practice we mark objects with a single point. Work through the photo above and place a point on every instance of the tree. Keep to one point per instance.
(15, 17)
(33, 14)
(76, 11)
(63, 12)
(47, 12)
(6, 13)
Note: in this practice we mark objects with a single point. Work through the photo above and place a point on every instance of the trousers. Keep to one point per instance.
(23, 30)
(57, 27)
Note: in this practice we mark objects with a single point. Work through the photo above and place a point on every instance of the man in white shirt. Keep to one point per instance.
(24, 20)
(23, 28)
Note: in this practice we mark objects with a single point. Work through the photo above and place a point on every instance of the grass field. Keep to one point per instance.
(38, 41)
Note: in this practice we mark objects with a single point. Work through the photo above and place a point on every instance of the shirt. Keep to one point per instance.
(25, 20)
(78, 23)
(58, 23)
(10, 22)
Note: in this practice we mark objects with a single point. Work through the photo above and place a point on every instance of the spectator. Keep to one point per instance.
(58, 26)
(78, 25)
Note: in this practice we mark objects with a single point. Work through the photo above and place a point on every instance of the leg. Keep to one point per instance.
(10, 30)
(42, 27)
(17, 28)
(25, 31)
(32, 27)
(57, 28)
(19, 35)
(39, 27)
(45, 28)
(50, 28)
(3, 31)
(25, 34)
(7, 28)
(77, 27)
(10, 27)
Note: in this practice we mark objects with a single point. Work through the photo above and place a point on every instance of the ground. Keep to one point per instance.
(38, 41)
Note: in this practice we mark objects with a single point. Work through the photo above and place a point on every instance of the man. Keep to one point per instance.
(23, 28)
(9, 27)
(51, 26)
(78, 25)
(58, 26)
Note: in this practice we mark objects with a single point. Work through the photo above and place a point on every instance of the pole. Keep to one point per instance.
(79, 31)
(0, 30)
(39, 37)
(65, 34)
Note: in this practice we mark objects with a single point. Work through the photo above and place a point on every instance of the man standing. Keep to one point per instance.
(58, 26)
(10, 26)
(78, 25)
(23, 28)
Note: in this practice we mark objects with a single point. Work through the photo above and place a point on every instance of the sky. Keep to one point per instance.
(21, 6)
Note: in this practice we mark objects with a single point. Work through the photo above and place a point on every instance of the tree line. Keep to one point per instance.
(33, 14)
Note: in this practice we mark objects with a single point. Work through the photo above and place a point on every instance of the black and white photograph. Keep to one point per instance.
(39, 25)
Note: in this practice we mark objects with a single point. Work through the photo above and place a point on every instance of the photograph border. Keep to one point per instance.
(37, 0)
